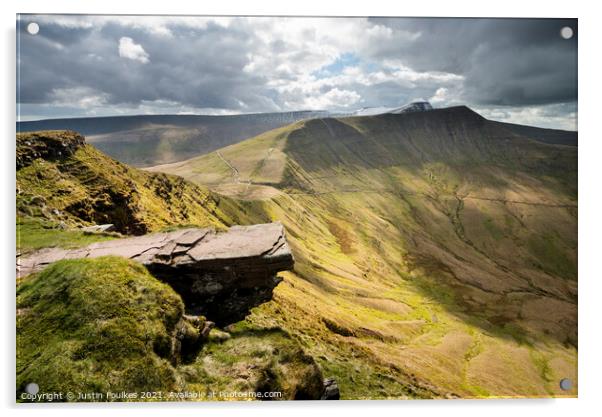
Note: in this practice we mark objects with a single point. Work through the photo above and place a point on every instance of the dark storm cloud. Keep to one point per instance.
(505, 61)
(127, 64)
(199, 67)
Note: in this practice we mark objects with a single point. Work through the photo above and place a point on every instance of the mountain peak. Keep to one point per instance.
(414, 106)
(463, 110)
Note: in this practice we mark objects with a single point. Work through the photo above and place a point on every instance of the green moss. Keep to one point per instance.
(255, 359)
(542, 365)
(550, 256)
(35, 233)
(492, 228)
(95, 325)
(105, 324)
(434, 290)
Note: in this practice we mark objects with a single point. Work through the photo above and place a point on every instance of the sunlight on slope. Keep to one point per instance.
(434, 257)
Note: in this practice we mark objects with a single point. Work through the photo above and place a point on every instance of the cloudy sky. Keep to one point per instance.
(520, 71)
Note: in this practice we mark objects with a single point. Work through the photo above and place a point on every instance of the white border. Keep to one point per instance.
(590, 154)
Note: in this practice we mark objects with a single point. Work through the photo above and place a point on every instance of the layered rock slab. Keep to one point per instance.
(220, 275)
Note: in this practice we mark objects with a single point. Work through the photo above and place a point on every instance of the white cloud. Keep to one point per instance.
(334, 98)
(81, 97)
(156, 25)
(555, 116)
(131, 50)
(402, 84)
(305, 45)
(85, 102)
(440, 96)
(242, 64)
(409, 74)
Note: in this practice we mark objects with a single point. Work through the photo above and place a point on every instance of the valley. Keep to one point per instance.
(435, 252)
(147, 140)
(438, 245)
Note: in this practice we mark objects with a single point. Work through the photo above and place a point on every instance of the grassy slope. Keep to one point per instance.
(80, 321)
(435, 253)
(550, 136)
(105, 324)
(35, 233)
(55, 196)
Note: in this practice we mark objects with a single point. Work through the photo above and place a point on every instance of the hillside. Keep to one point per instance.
(103, 323)
(64, 183)
(158, 139)
(436, 252)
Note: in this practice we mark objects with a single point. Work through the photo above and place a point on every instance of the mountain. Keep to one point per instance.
(436, 251)
(151, 140)
(148, 140)
(435, 256)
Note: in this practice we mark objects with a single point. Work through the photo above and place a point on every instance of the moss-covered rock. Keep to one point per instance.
(97, 325)
(106, 325)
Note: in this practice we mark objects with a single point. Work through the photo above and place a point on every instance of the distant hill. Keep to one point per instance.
(149, 140)
(551, 136)
(158, 139)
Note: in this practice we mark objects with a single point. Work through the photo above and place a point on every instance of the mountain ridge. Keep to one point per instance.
(471, 218)
(149, 140)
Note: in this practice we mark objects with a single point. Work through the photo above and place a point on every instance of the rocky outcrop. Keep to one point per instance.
(331, 390)
(218, 275)
(191, 333)
(99, 228)
(46, 145)
(416, 106)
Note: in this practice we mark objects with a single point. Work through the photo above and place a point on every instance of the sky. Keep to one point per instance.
(513, 70)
